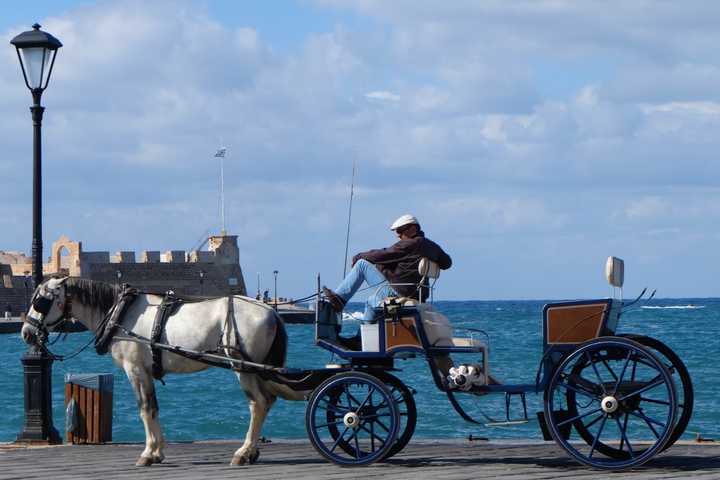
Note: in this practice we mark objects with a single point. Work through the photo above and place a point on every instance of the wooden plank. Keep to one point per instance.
(97, 430)
(107, 413)
(82, 431)
(76, 397)
(68, 397)
(88, 415)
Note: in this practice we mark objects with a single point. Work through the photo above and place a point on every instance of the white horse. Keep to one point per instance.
(245, 325)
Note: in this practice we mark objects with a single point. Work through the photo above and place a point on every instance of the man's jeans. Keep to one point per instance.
(364, 271)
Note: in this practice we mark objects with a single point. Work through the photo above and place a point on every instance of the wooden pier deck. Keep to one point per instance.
(446, 460)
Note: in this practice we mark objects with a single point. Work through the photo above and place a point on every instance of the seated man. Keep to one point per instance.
(397, 264)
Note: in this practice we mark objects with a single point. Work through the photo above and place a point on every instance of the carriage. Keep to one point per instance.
(611, 401)
(625, 397)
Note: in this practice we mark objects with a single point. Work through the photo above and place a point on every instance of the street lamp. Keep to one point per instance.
(275, 272)
(118, 274)
(202, 277)
(36, 51)
(27, 297)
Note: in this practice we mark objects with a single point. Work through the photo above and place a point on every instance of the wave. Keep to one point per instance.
(352, 317)
(673, 307)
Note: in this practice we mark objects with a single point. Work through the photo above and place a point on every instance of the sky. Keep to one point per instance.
(532, 139)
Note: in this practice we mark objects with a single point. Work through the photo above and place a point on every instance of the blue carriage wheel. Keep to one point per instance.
(407, 414)
(683, 388)
(618, 390)
(362, 409)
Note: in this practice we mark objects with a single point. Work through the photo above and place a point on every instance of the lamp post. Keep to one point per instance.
(275, 272)
(27, 297)
(36, 51)
(202, 277)
(118, 274)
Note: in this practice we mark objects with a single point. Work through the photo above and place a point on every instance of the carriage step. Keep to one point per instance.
(507, 423)
(508, 420)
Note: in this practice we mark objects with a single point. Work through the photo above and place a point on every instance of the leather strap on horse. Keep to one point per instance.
(169, 305)
(107, 329)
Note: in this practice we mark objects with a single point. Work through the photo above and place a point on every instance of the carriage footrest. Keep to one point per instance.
(513, 421)
(507, 423)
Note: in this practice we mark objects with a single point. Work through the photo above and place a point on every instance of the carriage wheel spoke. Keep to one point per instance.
(578, 389)
(382, 425)
(652, 400)
(649, 421)
(597, 419)
(334, 408)
(329, 423)
(597, 436)
(367, 398)
(597, 374)
(658, 380)
(350, 396)
(337, 441)
(624, 436)
(622, 372)
(373, 435)
(609, 369)
(357, 444)
(583, 415)
(625, 422)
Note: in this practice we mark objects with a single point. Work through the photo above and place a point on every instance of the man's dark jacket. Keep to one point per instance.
(399, 262)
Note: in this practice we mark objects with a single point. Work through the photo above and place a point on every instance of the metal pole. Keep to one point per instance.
(27, 296)
(347, 235)
(222, 194)
(37, 365)
(275, 272)
(37, 115)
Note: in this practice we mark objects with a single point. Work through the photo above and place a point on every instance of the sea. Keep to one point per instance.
(211, 405)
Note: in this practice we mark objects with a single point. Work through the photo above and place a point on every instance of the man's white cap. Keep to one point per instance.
(406, 219)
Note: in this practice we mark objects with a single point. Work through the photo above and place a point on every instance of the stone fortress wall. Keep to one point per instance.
(215, 271)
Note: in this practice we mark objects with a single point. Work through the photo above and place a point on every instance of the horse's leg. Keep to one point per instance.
(259, 403)
(144, 388)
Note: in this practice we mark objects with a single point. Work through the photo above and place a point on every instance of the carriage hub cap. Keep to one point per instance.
(351, 420)
(609, 404)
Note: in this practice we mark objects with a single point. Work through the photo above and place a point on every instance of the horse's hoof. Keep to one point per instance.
(157, 459)
(144, 462)
(254, 457)
(238, 460)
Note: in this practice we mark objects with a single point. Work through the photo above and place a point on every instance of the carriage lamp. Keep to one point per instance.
(36, 51)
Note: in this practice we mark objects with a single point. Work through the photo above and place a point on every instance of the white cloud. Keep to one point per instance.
(382, 95)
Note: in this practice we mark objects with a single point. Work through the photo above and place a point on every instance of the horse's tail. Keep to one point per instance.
(278, 349)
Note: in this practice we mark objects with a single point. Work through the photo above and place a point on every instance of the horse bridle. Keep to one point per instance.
(42, 301)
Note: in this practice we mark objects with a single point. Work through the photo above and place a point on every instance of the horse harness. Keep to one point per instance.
(169, 305)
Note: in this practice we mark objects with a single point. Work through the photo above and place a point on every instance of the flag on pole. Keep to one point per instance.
(221, 152)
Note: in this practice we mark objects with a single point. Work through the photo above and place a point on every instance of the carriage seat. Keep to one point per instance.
(439, 331)
(427, 270)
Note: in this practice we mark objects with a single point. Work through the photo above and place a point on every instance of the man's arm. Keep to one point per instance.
(380, 256)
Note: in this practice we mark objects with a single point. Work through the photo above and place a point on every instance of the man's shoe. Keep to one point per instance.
(336, 301)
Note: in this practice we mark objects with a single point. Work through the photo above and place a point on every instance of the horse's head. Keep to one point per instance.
(49, 308)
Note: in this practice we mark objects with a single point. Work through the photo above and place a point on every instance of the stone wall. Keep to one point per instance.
(216, 272)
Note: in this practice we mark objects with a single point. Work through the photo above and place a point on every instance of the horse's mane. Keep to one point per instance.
(93, 294)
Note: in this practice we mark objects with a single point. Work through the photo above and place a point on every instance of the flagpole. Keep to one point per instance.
(221, 154)
(222, 194)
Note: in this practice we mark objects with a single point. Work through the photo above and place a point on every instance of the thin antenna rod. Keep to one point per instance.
(347, 235)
